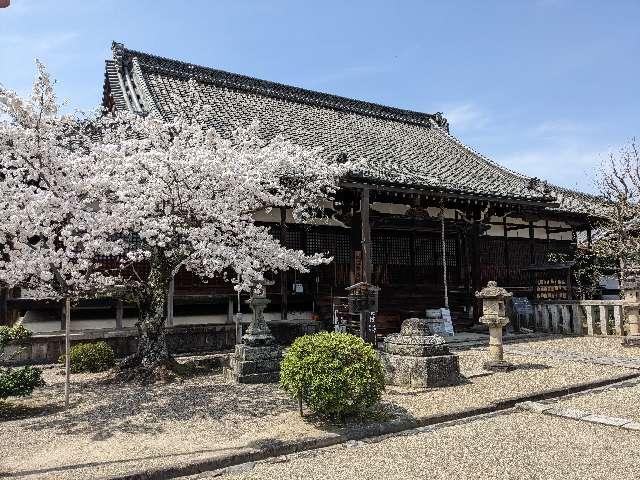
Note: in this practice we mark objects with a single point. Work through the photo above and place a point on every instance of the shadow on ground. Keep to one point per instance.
(104, 407)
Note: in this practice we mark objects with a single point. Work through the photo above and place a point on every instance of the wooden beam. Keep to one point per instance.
(448, 195)
(284, 296)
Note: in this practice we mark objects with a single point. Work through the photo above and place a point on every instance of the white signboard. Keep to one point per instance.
(443, 327)
(446, 320)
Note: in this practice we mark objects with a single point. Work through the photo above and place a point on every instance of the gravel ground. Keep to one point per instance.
(532, 374)
(604, 346)
(621, 402)
(114, 428)
(518, 446)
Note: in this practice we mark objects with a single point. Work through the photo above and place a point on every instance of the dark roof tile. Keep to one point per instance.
(398, 146)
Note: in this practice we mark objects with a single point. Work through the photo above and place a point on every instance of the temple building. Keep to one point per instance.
(420, 192)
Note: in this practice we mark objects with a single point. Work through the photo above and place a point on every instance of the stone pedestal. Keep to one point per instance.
(494, 316)
(414, 358)
(257, 358)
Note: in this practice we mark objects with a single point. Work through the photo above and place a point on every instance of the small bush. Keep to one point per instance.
(19, 382)
(90, 357)
(337, 375)
(15, 333)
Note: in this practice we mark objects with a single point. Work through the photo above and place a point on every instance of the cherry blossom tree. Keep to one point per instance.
(47, 242)
(142, 190)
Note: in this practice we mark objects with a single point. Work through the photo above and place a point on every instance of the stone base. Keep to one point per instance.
(250, 364)
(631, 341)
(498, 366)
(420, 372)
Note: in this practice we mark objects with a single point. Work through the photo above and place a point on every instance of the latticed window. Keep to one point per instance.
(335, 243)
(425, 251)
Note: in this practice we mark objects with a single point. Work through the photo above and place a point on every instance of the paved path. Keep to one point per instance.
(517, 445)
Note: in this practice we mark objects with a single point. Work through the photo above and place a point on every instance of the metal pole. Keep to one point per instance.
(67, 360)
(444, 260)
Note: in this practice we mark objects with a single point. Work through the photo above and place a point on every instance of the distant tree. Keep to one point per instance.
(171, 195)
(619, 184)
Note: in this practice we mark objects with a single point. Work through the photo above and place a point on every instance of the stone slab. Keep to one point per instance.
(566, 412)
(266, 377)
(632, 426)
(606, 420)
(536, 407)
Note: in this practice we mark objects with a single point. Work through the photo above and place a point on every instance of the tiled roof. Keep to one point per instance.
(399, 147)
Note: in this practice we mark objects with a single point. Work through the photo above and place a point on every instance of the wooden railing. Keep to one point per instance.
(580, 317)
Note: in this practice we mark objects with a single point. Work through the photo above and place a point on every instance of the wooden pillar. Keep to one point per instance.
(169, 322)
(532, 258)
(476, 278)
(507, 268)
(284, 297)
(119, 314)
(230, 309)
(589, 237)
(366, 236)
(4, 306)
(63, 317)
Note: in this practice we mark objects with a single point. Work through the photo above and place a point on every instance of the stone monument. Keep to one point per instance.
(415, 358)
(257, 358)
(631, 306)
(494, 314)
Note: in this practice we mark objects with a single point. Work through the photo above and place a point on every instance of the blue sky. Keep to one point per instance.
(544, 87)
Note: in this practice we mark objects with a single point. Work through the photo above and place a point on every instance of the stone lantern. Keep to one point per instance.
(494, 315)
(631, 305)
(257, 358)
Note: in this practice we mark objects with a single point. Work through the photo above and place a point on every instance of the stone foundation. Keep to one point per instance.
(251, 364)
(415, 358)
(420, 372)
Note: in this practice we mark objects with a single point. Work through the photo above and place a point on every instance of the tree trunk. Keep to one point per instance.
(152, 360)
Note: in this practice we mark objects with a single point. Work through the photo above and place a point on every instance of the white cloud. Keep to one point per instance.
(570, 165)
(465, 116)
(559, 128)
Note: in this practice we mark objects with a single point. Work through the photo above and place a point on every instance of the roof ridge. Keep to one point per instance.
(483, 157)
(277, 89)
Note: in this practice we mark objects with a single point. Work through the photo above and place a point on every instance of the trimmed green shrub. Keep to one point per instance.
(90, 357)
(337, 375)
(12, 334)
(17, 382)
